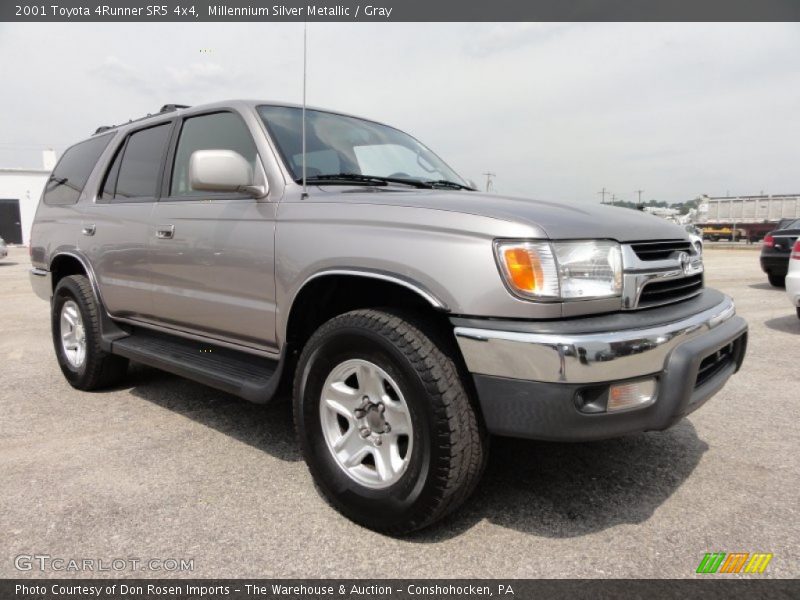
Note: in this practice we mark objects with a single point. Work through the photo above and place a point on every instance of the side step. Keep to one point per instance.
(254, 378)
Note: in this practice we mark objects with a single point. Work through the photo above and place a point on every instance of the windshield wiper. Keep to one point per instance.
(449, 184)
(357, 178)
(345, 178)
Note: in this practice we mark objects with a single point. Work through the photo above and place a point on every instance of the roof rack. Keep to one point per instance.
(164, 109)
(173, 107)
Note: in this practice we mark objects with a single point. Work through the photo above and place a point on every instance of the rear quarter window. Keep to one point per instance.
(68, 179)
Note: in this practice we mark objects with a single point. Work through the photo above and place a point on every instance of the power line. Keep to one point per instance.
(489, 176)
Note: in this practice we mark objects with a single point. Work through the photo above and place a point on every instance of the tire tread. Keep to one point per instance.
(461, 434)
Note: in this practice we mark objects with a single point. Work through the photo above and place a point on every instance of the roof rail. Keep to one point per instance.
(173, 107)
(164, 109)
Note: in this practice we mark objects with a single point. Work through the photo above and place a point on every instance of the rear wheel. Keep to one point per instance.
(798, 312)
(776, 280)
(75, 323)
(386, 424)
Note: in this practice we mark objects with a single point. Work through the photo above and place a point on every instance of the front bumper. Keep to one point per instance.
(532, 384)
(41, 282)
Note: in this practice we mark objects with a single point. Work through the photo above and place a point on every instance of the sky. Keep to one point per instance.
(556, 111)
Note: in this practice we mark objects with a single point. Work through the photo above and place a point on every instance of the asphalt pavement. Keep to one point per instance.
(162, 468)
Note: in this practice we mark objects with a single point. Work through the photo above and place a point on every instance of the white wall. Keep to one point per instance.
(25, 185)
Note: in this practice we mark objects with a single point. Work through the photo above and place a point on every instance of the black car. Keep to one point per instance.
(776, 251)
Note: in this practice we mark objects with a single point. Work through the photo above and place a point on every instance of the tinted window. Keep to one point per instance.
(69, 177)
(219, 131)
(141, 162)
(110, 182)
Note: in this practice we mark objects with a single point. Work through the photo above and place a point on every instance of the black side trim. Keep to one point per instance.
(251, 377)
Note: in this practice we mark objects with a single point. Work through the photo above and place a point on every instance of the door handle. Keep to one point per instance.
(165, 232)
(89, 229)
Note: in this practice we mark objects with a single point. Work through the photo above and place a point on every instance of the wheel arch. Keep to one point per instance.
(69, 262)
(329, 293)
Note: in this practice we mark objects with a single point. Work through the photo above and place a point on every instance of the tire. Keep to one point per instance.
(798, 312)
(447, 447)
(74, 299)
(776, 280)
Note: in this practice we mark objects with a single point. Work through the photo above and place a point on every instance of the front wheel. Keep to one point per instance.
(385, 422)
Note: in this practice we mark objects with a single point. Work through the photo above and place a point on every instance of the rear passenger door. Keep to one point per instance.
(117, 227)
(212, 258)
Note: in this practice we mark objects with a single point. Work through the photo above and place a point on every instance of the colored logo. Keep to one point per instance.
(735, 562)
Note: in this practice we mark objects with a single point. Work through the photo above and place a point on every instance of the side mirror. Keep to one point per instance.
(223, 171)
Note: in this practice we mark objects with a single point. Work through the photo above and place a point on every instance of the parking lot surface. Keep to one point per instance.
(165, 468)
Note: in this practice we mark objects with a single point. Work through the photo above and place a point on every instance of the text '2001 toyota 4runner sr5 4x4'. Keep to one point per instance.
(414, 315)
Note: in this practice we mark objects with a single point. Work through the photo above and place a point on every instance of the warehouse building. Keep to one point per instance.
(20, 190)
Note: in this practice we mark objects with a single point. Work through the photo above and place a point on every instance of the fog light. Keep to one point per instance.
(635, 394)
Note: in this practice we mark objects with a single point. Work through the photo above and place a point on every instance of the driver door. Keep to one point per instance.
(212, 255)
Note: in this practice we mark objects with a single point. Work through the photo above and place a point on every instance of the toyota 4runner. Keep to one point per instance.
(412, 314)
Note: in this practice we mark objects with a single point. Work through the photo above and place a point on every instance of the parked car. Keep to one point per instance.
(412, 314)
(775, 252)
(793, 278)
(3, 248)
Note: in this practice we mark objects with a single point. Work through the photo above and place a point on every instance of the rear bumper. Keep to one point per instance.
(534, 385)
(41, 282)
(775, 265)
(793, 286)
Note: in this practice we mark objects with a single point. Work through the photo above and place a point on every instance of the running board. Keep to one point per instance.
(254, 378)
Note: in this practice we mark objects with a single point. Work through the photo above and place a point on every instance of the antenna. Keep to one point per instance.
(305, 52)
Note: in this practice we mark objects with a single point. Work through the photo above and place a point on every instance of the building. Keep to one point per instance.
(20, 190)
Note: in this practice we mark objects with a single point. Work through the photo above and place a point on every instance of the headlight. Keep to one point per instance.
(561, 270)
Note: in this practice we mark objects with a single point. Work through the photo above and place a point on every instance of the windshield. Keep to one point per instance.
(336, 145)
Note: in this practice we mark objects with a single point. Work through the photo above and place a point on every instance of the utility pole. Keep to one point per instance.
(613, 200)
(640, 196)
(489, 176)
(603, 193)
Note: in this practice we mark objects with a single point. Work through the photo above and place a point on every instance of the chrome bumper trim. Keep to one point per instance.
(41, 282)
(588, 358)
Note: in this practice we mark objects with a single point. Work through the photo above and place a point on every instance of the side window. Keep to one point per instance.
(67, 180)
(110, 182)
(218, 131)
(140, 163)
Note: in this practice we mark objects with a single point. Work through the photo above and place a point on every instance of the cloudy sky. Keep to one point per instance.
(556, 111)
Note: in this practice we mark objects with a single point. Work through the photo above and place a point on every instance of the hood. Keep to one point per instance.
(559, 220)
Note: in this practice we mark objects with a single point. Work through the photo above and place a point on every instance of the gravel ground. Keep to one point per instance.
(165, 468)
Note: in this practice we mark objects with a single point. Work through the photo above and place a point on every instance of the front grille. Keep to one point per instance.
(714, 363)
(671, 290)
(660, 250)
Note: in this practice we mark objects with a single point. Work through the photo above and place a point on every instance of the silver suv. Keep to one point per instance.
(413, 315)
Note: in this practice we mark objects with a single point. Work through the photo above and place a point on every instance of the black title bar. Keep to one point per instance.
(394, 589)
(399, 10)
